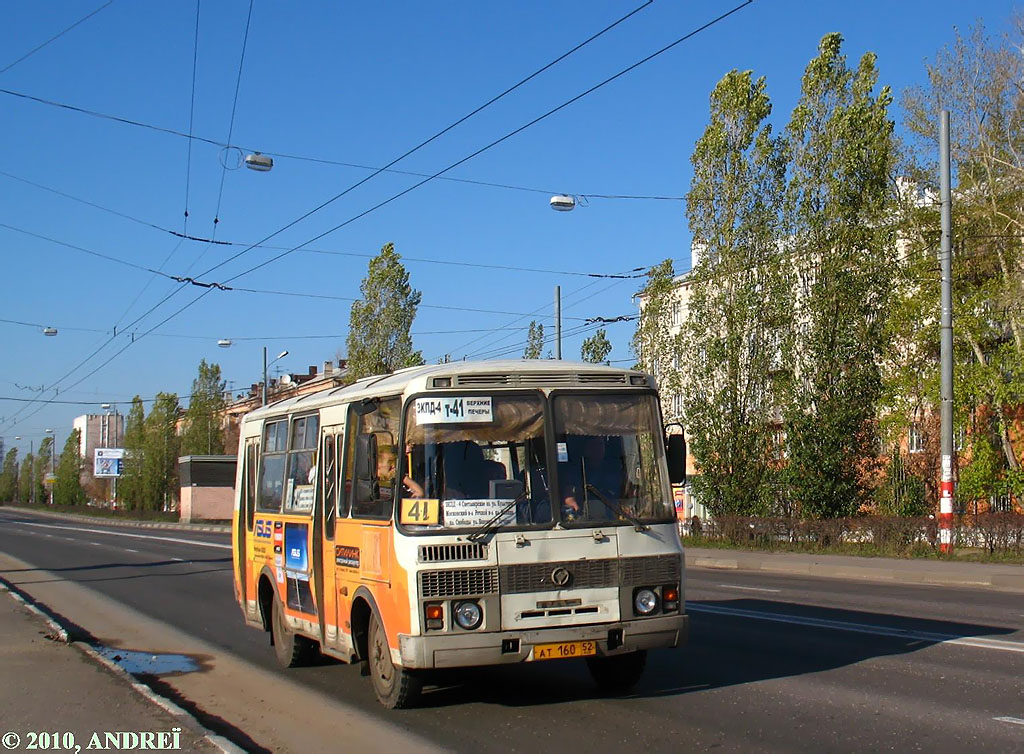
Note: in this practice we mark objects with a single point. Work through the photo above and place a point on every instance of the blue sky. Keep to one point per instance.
(360, 83)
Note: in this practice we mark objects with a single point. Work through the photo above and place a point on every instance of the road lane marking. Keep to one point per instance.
(1011, 720)
(863, 628)
(196, 542)
(129, 549)
(748, 588)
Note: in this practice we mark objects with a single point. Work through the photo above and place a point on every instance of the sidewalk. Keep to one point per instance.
(50, 688)
(890, 570)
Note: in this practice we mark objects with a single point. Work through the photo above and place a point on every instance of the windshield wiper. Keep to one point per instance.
(637, 523)
(487, 527)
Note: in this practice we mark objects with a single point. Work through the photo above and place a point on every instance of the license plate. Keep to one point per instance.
(564, 650)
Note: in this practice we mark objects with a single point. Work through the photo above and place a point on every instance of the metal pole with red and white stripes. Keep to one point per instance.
(946, 342)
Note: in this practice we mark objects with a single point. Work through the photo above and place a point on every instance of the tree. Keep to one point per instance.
(9, 477)
(67, 488)
(378, 333)
(43, 466)
(534, 340)
(131, 487)
(733, 343)
(653, 345)
(204, 428)
(596, 348)
(160, 453)
(25, 479)
(978, 80)
(842, 225)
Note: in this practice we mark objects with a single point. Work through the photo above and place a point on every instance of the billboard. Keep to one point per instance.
(108, 462)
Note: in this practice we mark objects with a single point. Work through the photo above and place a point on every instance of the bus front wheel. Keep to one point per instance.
(396, 687)
(291, 650)
(617, 674)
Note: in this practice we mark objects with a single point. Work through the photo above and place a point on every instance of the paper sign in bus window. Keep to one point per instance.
(473, 513)
(454, 410)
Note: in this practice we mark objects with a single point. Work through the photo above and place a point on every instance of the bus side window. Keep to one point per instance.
(329, 483)
(371, 483)
(251, 458)
(301, 478)
(272, 463)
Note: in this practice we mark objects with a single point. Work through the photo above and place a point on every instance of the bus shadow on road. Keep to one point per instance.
(95, 572)
(732, 642)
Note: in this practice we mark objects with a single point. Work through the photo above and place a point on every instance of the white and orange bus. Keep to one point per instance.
(463, 514)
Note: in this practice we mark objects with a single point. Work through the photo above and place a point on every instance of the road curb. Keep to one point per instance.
(967, 575)
(42, 612)
(171, 525)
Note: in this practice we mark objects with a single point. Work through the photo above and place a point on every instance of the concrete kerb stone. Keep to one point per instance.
(59, 631)
(171, 525)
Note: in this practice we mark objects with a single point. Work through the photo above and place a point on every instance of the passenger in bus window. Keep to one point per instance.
(386, 465)
(411, 486)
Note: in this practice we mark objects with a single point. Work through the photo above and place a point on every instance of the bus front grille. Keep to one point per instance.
(541, 577)
(523, 578)
(452, 552)
(458, 582)
(659, 569)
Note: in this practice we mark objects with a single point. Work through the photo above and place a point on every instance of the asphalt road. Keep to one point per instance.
(775, 663)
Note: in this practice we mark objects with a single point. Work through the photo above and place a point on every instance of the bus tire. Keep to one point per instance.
(291, 650)
(617, 674)
(396, 687)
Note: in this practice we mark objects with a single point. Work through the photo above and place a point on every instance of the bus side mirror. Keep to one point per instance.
(675, 451)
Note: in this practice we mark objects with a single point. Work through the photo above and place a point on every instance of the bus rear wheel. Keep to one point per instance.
(396, 687)
(617, 674)
(290, 649)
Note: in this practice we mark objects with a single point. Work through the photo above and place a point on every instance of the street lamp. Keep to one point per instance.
(265, 365)
(563, 202)
(53, 462)
(261, 163)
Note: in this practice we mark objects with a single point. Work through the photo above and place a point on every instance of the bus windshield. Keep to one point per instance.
(607, 449)
(476, 455)
(480, 461)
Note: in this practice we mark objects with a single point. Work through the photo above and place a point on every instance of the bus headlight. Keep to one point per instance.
(645, 601)
(468, 615)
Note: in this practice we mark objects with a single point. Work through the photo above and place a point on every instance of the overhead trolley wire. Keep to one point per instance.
(414, 149)
(483, 149)
(191, 121)
(54, 38)
(362, 255)
(231, 131)
(210, 141)
(494, 143)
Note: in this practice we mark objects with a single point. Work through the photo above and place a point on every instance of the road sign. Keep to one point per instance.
(108, 462)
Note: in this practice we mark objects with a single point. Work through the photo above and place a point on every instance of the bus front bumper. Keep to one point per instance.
(467, 648)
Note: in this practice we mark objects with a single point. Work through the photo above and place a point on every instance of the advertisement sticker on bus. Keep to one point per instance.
(346, 556)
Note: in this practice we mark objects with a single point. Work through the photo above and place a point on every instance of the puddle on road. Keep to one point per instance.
(147, 663)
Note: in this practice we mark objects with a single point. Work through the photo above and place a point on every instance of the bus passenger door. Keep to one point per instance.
(244, 532)
(324, 523)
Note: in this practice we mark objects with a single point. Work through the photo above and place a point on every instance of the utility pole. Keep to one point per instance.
(946, 342)
(264, 375)
(558, 322)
